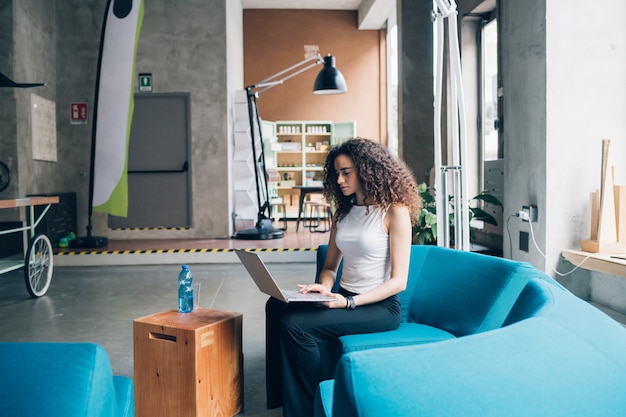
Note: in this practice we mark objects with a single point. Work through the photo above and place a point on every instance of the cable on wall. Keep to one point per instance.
(524, 216)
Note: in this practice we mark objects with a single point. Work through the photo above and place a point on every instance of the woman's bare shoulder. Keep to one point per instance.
(398, 209)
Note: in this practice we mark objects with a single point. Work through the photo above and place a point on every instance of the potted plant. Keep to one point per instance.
(425, 233)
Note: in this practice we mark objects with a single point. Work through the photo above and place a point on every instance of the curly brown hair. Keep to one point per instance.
(384, 179)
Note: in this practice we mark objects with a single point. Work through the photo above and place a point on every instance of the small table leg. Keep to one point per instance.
(300, 208)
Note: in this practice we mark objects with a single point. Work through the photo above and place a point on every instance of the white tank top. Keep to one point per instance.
(364, 243)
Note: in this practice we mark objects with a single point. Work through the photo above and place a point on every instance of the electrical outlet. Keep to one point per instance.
(532, 213)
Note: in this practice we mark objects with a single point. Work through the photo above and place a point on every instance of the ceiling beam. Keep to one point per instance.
(373, 14)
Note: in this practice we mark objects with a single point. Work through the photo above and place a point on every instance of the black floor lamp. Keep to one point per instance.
(328, 81)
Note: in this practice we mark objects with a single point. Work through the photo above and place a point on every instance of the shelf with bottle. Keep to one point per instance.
(299, 148)
(289, 128)
(289, 177)
(314, 167)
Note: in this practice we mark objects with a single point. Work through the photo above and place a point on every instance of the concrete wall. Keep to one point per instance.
(8, 136)
(27, 30)
(523, 59)
(34, 60)
(78, 31)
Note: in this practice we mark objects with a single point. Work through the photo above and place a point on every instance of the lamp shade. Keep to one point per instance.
(329, 80)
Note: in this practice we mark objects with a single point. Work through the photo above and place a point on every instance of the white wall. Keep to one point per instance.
(587, 103)
(586, 93)
(563, 67)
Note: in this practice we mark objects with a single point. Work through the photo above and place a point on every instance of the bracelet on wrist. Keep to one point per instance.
(350, 305)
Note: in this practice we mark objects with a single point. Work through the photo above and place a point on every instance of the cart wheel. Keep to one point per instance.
(38, 266)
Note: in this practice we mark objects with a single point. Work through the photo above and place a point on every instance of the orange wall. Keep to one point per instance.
(274, 40)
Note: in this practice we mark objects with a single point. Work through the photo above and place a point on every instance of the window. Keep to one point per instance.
(392, 88)
(489, 91)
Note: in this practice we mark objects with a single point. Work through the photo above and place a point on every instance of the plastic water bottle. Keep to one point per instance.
(185, 290)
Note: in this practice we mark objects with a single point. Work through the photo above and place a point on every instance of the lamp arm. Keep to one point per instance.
(271, 81)
(275, 83)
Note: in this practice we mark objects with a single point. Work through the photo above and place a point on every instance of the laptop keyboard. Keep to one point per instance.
(303, 296)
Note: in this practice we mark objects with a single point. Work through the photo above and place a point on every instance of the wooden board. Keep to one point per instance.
(608, 264)
(28, 201)
(620, 211)
(607, 229)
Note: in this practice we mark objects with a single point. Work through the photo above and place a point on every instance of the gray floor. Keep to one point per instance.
(98, 304)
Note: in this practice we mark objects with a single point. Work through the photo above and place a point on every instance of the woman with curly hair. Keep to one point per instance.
(376, 204)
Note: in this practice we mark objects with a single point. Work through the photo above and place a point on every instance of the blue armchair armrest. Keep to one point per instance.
(321, 256)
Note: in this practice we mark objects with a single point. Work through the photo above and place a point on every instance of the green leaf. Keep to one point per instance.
(488, 198)
(430, 218)
(480, 214)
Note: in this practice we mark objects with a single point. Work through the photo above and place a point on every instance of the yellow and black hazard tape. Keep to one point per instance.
(173, 251)
(150, 228)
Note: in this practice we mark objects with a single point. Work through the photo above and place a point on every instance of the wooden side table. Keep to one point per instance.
(188, 364)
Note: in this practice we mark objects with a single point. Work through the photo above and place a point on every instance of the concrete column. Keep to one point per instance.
(415, 95)
(8, 138)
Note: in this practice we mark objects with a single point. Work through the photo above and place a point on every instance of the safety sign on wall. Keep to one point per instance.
(145, 81)
(78, 113)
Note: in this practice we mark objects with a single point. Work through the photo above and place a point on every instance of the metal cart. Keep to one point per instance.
(38, 261)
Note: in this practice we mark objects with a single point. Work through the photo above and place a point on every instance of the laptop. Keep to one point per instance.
(266, 283)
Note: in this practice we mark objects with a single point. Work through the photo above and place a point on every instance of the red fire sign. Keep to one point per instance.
(78, 113)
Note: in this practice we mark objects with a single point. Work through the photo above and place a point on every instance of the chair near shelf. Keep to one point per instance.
(280, 207)
(317, 214)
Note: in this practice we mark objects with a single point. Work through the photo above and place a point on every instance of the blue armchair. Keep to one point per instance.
(61, 379)
(449, 294)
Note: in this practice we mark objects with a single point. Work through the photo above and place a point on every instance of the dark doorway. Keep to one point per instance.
(159, 190)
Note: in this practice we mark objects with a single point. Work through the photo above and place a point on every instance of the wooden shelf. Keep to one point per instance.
(613, 264)
(305, 164)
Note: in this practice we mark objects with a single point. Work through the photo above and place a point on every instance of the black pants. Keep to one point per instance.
(302, 346)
